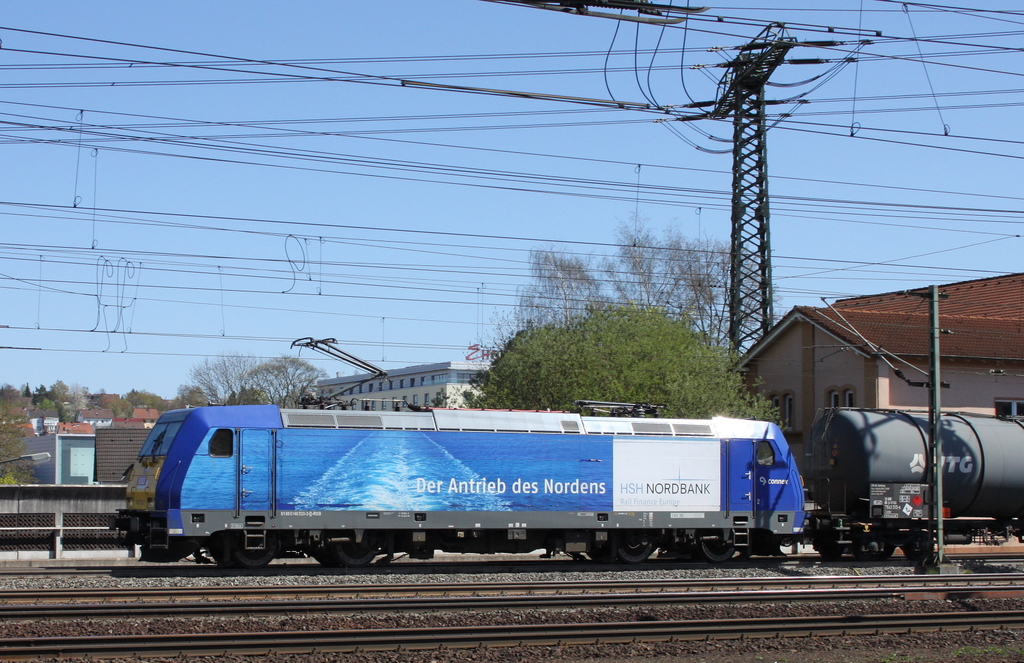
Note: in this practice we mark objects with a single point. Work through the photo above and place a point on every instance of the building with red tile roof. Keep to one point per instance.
(74, 427)
(848, 353)
(148, 415)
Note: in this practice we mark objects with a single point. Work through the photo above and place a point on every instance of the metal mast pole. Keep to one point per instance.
(935, 428)
(741, 95)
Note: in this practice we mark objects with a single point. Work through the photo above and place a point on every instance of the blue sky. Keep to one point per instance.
(183, 181)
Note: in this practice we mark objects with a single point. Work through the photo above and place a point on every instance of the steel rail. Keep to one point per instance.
(304, 607)
(479, 564)
(138, 594)
(304, 642)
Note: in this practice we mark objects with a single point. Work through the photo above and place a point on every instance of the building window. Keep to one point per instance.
(848, 400)
(401, 383)
(426, 399)
(415, 399)
(1010, 408)
(369, 387)
(787, 411)
(412, 382)
(833, 398)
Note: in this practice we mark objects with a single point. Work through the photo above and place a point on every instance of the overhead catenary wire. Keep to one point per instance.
(796, 207)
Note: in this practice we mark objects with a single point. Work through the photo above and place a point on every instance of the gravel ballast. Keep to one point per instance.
(998, 646)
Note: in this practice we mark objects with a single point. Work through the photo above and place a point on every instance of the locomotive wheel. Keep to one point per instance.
(255, 559)
(220, 549)
(716, 547)
(603, 555)
(634, 547)
(350, 553)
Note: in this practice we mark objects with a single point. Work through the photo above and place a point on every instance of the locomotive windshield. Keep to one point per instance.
(160, 438)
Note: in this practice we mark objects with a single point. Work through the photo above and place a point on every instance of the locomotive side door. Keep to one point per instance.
(739, 474)
(254, 463)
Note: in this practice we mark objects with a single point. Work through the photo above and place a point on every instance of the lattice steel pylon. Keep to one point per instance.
(741, 95)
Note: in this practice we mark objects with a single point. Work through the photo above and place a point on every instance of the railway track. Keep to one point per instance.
(1004, 582)
(118, 603)
(476, 564)
(329, 612)
(301, 642)
(296, 607)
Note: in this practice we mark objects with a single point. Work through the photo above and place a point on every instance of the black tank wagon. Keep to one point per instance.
(868, 472)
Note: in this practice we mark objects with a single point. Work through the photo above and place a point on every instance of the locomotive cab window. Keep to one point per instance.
(222, 444)
(160, 438)
(765, 453)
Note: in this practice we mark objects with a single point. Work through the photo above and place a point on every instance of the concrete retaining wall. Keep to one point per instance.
(59, 522)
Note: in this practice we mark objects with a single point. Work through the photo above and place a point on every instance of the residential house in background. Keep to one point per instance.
(43, 422)
(99, 418)
(851, 354)
(147, 415)
(102, 401)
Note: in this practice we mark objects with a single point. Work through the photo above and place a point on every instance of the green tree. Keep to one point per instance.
(12, 445)
(682, 276)
(624, 354)
(145, 399)
(243, 380)
(40, 394)
(9, 393)
(226, 380)
(189, 395)
(121, 407)
(285, 379)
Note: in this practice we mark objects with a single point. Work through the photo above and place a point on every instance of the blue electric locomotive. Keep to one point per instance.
(247, 484)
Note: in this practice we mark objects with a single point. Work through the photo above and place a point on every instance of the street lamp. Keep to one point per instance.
(41, 457)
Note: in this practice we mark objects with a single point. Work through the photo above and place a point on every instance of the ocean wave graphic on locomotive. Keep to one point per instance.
(444, 471)
(386, 470)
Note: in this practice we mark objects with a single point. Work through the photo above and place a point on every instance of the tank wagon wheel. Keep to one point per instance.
(872, 551)
(916, 551)
(635, 546)
(829, 549)
(716, 546)
(350, 553)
